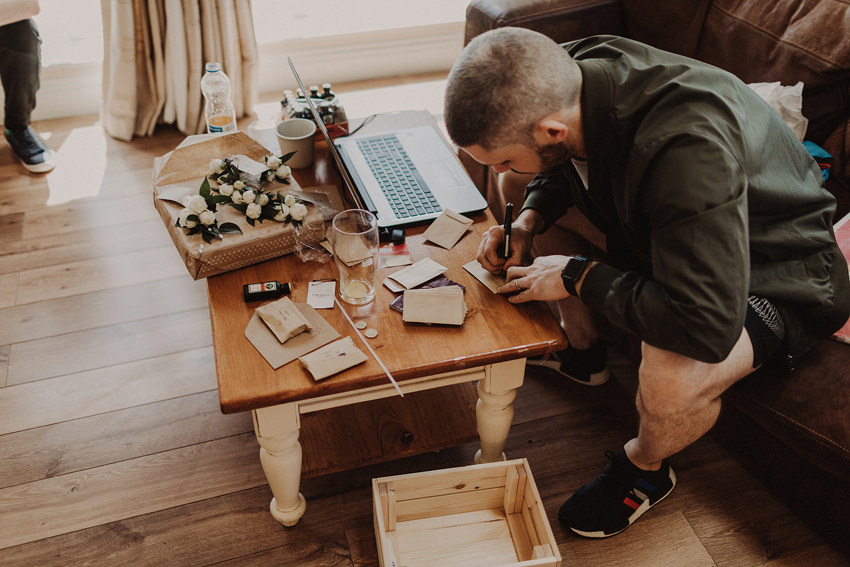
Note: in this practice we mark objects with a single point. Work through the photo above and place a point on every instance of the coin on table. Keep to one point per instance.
(360, 325)
(371, 333)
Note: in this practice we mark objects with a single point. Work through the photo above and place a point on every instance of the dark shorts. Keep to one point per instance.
(765, 327)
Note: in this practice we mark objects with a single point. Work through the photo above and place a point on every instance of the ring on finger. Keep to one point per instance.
(516, 283)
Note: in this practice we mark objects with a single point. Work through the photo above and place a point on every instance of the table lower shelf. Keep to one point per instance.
(376, 431)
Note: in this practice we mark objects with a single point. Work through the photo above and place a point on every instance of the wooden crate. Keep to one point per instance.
(489, 514)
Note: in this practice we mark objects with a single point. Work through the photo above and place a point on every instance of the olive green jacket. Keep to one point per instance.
(705, 195)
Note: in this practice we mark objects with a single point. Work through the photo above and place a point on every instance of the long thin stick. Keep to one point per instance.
(356, 330)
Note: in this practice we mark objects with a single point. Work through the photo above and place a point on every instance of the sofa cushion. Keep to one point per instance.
(807, 409)
(562, 20)
(673, 25)
(789, 41)
(783, 40)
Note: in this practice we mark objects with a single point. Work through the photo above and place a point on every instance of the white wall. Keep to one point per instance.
(70, 90)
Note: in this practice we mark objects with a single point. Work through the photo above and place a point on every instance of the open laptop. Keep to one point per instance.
(405, 176)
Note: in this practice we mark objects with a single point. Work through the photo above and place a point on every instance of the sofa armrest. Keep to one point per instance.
(562, 20)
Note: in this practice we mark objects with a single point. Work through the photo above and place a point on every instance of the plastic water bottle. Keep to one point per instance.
(219, 112)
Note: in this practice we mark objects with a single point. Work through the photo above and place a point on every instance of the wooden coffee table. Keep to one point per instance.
(490, 349)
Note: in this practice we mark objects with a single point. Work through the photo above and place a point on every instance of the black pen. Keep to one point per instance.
(509, 219)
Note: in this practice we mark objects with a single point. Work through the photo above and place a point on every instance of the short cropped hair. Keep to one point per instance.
(504, 82)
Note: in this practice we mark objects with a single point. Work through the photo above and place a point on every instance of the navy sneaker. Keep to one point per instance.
(588, 367)
(616, 498)
(34, 153)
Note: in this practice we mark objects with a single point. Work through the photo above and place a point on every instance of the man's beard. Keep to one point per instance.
(553, 156)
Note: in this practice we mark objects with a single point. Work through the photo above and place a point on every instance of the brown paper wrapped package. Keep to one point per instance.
(188, 164)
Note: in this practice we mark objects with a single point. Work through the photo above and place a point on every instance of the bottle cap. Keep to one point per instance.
(213, 66)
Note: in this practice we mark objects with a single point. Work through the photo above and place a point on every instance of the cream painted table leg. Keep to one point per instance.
(277, 428)
(495, 409)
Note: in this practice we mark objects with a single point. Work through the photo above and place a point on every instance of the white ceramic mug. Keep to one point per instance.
(297, 135)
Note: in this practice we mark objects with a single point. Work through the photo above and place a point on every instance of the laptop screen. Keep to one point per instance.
(352, 190)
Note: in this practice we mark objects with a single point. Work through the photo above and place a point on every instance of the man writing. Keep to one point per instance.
(712, 232)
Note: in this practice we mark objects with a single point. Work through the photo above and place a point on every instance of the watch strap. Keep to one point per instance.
(572, 273)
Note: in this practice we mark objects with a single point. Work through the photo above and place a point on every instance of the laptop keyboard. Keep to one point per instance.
(400, 181)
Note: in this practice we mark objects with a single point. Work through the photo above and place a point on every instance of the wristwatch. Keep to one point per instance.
(572, 272)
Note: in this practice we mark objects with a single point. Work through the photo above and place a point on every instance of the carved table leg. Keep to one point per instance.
(280, 454)
(495, 409)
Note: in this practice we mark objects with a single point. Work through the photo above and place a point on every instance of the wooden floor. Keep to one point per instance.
(113, 450)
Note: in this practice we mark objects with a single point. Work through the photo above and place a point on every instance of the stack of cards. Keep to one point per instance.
(439, 305)
(442, 281)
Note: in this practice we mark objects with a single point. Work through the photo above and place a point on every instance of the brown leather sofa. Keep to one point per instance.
(791, 428)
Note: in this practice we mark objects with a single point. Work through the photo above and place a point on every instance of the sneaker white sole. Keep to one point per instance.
(640, 511)
(43, 167)
(596, 379)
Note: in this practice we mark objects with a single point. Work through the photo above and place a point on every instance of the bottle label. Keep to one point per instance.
(260, 287)
(221, 123)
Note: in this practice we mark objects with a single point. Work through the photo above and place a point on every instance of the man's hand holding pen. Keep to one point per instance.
(495, 256)
(544, 275)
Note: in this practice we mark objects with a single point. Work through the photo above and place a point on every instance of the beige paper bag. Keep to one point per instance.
(283, 318)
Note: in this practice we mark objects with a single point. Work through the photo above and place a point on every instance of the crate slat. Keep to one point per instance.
(488, 514)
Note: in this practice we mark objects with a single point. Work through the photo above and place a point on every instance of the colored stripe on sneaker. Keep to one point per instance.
(645, 486)
(631, 503)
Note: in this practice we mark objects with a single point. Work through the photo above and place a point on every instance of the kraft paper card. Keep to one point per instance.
(491, 281)
(413, 275)
(333, 358)
(393, 256)
(277, 354)
(320, 294)
(326, 244)
(447, 229)
(351, 251)
(441, 306)
(442, 281)
(283, 318)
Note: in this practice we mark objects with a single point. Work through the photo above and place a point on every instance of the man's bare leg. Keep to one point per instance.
(679, 399)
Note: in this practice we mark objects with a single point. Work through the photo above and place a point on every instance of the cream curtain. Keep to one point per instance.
(154, 57)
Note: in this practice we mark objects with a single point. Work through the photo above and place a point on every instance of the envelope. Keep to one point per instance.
(447, 229)
(491, 281)
(333, 358)
(413, 275)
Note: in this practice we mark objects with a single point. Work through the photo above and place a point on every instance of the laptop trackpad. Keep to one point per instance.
(440, 175)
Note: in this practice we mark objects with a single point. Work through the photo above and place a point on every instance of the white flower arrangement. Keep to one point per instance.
(242, 192)
(198, 215)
